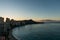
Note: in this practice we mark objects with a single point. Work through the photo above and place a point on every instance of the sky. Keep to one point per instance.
(30, 9)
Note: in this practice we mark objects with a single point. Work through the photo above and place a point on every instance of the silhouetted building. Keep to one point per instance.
(7, 25)
(1, 20)
(14, 23)
(1, 25)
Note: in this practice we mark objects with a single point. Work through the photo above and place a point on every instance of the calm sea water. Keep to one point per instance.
(49, 31)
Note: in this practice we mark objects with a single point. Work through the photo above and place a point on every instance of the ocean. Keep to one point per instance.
(49, 31)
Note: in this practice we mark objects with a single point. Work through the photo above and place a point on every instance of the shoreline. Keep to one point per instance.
(13, 24)
(10, 36)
